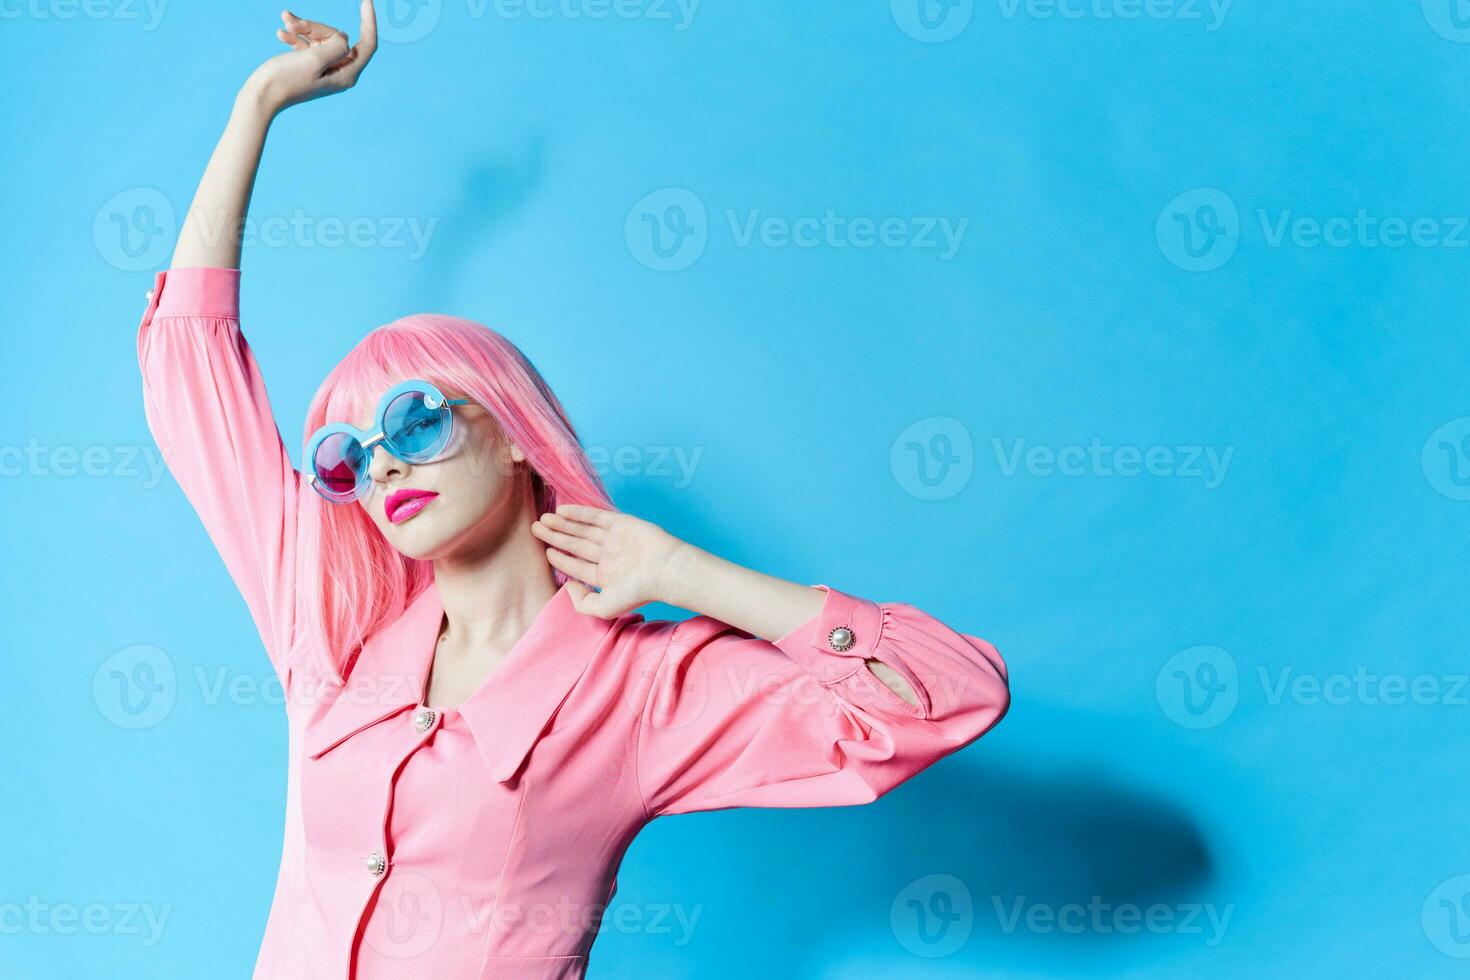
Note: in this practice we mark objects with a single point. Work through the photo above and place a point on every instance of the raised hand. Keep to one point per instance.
(631, 561)
(321, 60)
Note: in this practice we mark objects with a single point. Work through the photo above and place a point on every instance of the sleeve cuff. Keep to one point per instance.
(196, 292)
(816, 643)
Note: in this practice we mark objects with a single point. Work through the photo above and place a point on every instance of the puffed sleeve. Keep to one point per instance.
(733, 720)
(206, 406)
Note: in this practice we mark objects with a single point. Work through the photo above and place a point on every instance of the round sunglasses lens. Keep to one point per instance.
(339, 462)
(414, 431)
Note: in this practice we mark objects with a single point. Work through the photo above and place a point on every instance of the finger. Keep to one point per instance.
(294, 40)
(587, 515)
(572, 545)
(330, 53)
(308, 28)
(362, 52)
(575, 567)
(367, 39)
(577, 528)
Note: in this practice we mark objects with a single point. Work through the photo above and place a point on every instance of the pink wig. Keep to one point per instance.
(360, 582)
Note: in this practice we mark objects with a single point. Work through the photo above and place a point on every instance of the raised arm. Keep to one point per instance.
(203, 394)
(319, 63)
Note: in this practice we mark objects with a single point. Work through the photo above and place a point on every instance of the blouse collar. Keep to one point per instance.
(510, 709)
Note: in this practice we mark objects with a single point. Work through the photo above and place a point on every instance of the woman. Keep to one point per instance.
(479, 723)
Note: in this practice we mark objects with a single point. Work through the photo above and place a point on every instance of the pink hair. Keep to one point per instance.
(360, 582)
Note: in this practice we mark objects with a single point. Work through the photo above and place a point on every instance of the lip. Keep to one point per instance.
(403, 504)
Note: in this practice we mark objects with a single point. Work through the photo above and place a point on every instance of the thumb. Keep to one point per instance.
(590, 603)
(582, 597)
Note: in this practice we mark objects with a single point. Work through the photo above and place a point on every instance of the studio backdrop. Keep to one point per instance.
(1130, 336)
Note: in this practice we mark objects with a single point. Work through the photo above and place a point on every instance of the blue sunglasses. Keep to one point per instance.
(413, 423)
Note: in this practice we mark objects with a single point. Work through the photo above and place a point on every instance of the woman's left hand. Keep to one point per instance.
(630, 560)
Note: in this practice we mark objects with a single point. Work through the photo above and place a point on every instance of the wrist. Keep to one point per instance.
(682, 573)
(254, 102)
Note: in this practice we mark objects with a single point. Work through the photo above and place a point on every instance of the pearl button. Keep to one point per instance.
(375, 863)
(150, 295)
(841, 638)
(423, 720)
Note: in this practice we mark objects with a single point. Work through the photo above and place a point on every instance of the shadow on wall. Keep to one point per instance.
(491, 191)
(824, 879)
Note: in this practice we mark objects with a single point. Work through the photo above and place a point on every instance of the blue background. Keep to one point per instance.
(845, 404)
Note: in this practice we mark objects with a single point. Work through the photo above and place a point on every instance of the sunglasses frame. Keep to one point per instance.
(433, 399)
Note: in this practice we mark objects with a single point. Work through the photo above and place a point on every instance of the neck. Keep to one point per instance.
(492, 592)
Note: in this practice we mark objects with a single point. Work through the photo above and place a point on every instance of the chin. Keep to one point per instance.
(416, 540)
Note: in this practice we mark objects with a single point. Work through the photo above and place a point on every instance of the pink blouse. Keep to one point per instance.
(483, 841)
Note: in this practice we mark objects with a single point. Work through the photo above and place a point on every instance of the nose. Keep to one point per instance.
(385, 466)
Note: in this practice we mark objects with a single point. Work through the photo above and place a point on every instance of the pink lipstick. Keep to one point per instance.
(403, 504)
